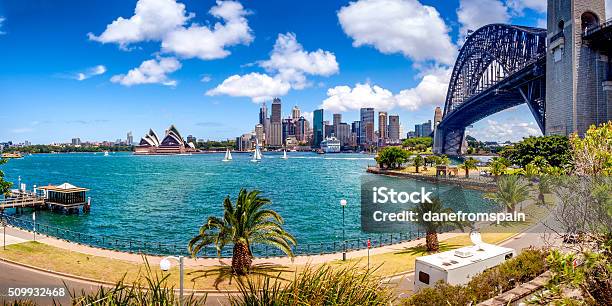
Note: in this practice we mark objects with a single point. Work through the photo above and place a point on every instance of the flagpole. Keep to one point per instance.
(34, 222)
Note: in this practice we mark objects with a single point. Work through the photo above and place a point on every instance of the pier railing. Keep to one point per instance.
(141, 246)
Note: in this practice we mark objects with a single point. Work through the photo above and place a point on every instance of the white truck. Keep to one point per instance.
(458, 266)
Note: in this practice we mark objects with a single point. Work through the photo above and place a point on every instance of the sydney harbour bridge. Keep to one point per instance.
(563, 74)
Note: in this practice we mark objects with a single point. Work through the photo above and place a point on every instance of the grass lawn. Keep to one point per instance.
(111, 270)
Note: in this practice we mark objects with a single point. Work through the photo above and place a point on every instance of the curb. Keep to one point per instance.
(104, 283)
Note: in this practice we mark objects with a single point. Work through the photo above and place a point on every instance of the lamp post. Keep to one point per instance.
(165, 264)
(343, 204)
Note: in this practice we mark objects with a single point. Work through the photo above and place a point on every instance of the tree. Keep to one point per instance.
(419, 144)
(443, 160)
(511, 191)
(392, 157)
(592, 155)
(468, 164)
(243, 224)
(417, 161)
(5, 186)
(554, 149)
(432, 227)
(498, 165)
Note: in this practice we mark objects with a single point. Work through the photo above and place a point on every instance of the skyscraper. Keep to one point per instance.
(295, 113)
(276, 127)
(130, 139)
(423, 129)
(437, 116)
(355, 129)
(337, 120)
(301, 130)
(366, 121)
(263, 113)
(394, 129)
(343, 133)
(382, 127)
(317, 128)
(288, 129)
(259, 134)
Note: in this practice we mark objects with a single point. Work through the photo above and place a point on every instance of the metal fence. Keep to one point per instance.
(157, 248)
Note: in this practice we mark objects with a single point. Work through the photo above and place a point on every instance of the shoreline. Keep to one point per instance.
(465, 183)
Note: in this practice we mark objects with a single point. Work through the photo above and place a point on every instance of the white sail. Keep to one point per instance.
(285, 154)
(257, 153)
(228, 155)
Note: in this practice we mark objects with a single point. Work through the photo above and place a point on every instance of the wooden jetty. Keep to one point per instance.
(65, 197)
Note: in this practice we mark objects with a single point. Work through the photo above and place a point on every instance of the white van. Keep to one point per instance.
(458, 266)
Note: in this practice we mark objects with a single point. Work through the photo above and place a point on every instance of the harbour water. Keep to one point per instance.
(166, 198)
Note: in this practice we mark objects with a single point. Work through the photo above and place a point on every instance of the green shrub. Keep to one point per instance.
(321, 286)
(526, 266)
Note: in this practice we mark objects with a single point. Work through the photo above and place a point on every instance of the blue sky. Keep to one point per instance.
(98, 69)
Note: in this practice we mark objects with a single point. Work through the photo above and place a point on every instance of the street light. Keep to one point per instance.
(165, 265)
(343, 204)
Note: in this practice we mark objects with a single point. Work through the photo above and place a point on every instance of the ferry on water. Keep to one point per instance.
(12, 155)
(330, 145)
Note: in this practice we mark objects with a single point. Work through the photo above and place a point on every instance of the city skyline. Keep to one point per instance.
(95, 84)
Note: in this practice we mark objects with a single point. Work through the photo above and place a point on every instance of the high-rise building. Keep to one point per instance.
(191, 139)
(367, 121)
(259, 134)
(394, 129)
(275, 138)
(343, 133)
(423, 129)
(355, 129)
(328, 129)
(295, 113)
(263, 113)
(130, 139)
(382, 127)
(437, 116)
(245, 142)
(301, 130)
(76, 141)
(27, 143)
(337, 120)
(317, 128)
(288, 129)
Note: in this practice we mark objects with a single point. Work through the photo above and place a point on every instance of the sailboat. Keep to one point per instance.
(228, 155)
(284, 154)
(257, 154)
(105, 153)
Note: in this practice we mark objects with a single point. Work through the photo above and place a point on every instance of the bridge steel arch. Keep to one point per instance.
(498, 67)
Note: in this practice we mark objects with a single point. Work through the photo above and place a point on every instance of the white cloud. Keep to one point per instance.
(344, 98)
(518, 6)
(167, 21)
(209, 43)
(399, 26)
(2, 19)
(152, 20)
(431, 90)
(152, 71)
(502, 131)
(257, 86)
(206, 79)
(288, 66)
(473, 14)
(93, 71)
(289, 60)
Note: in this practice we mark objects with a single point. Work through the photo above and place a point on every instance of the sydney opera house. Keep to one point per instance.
(172, 143)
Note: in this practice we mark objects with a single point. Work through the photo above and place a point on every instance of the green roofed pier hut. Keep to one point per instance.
(66, 197)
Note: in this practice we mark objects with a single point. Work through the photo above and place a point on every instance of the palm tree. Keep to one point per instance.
(498, 166)
(511, 191)
(243, 224)
(417, 161)
(469, 163)
(431, 227)
(544, 186)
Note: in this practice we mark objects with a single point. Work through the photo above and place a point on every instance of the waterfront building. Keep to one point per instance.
(245, 142)
(291, 142)
(330, 145)
(295, 113)
(76, 141)
(130, 139)
(260, 134)
(328, 129)
(191, 139)
(317, 128)
(394, 129)
(382, 128)
(411, 134)
(172, 143)
(366, 133)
